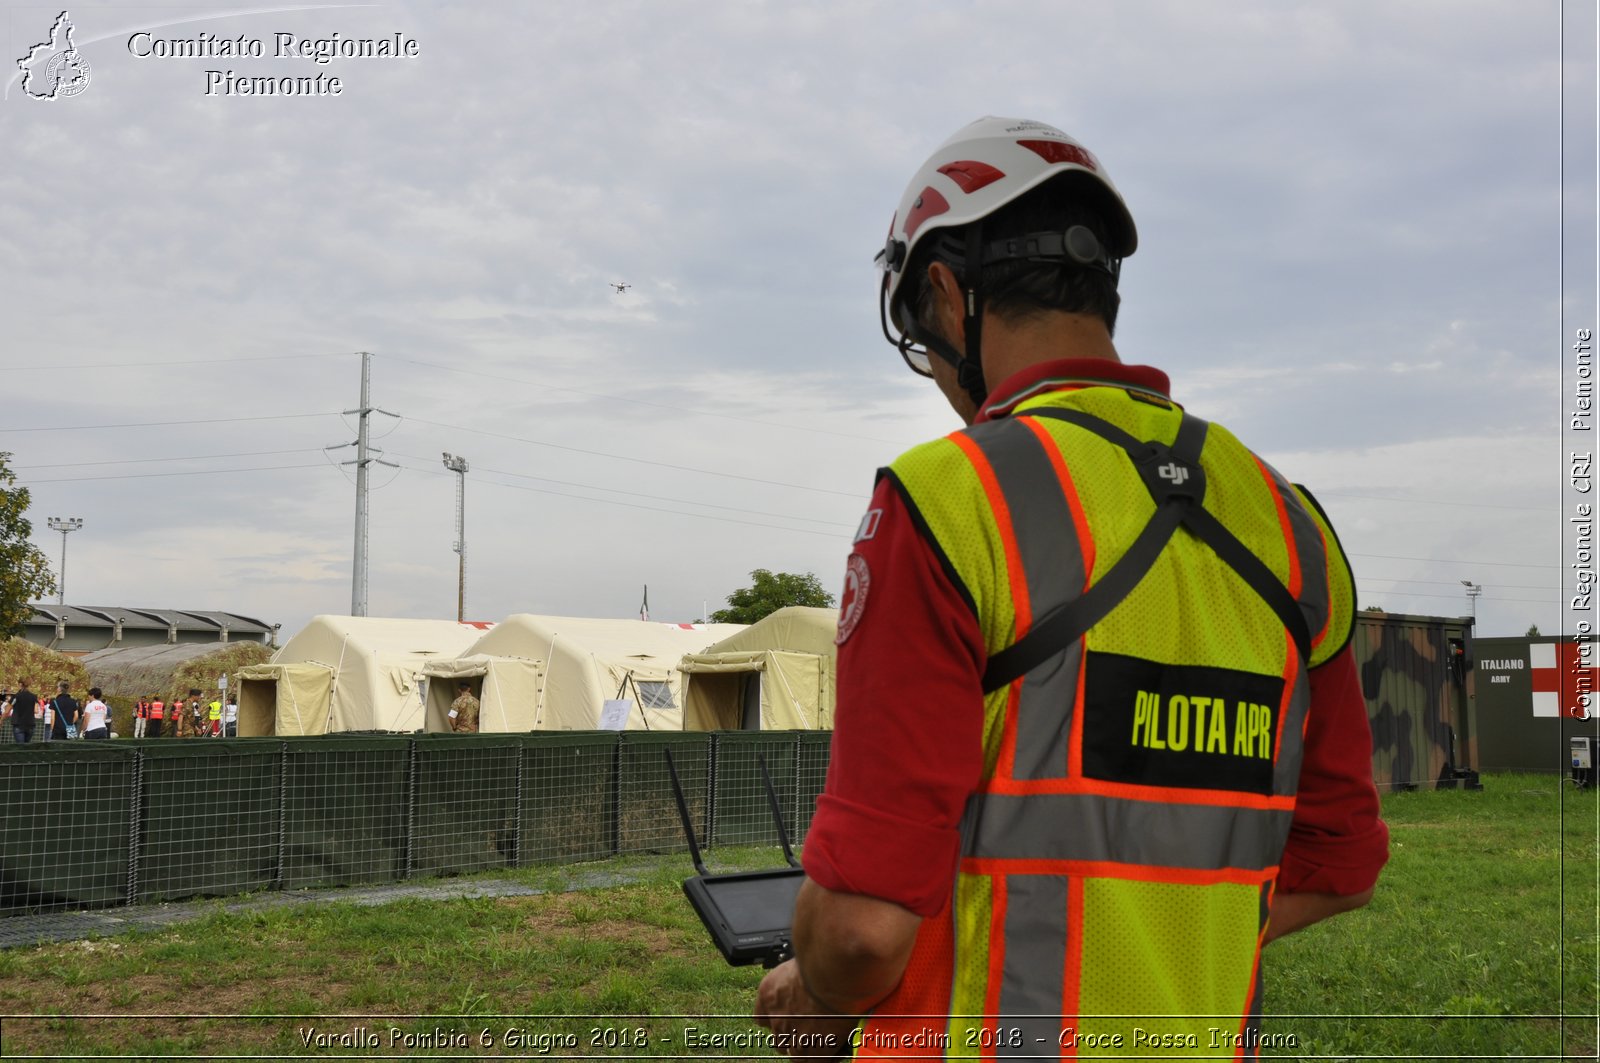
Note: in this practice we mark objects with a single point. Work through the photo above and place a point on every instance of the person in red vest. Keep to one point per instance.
(158, 712)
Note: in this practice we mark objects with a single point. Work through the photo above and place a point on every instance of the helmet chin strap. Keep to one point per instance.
(969, 371)
(968, 366)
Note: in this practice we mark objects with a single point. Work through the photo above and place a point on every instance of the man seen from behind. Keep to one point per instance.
(23, 705)
(1099, 733)
(464, 710)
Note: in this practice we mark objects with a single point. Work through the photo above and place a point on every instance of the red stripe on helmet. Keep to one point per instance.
(929, 204)
(1060, 151)
(971, 175)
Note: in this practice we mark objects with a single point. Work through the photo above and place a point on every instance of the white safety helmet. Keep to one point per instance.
(977, 171)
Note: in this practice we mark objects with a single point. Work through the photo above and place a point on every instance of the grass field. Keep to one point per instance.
(1463, 953)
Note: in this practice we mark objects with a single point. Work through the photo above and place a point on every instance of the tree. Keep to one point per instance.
(25, 574)
(769, 592)
(1533, 631)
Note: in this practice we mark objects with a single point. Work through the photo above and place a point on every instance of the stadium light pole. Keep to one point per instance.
(1473, 590)
(64, 525)
(458, 465)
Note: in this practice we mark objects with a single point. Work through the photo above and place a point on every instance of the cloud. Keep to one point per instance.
(1347, 217)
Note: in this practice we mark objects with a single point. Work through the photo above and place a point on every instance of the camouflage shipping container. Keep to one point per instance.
(1415, 673)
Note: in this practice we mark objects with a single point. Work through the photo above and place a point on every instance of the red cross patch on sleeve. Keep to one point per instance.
(857, 579)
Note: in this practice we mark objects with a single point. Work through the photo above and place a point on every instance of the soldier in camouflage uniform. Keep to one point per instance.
(464, 711)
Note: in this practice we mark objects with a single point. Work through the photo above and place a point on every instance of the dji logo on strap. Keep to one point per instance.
(1174, 472)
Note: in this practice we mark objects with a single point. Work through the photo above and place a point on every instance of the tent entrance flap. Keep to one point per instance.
(258, 707)
(750, 697)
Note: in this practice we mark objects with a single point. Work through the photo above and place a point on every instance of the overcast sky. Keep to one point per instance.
(1352, 220)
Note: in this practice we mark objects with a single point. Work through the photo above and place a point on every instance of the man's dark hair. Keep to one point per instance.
(1016, 289)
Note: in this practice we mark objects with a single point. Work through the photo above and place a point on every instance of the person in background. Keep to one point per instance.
(141, 714)
(197, 715)
(156, 713)
(230, 717)
(95, 716)
(23, 706)
(44, 719)
(464, 710)
(214, 714)
(65, 709)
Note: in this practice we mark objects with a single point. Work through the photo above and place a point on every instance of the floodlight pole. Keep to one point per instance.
(1473, 590)
(458, 465)
(64, 525)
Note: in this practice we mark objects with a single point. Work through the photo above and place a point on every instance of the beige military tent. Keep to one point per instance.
(556, 673)
(775, 675)
(349, 673)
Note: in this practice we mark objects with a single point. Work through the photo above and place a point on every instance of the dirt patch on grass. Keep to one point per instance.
(569, 914)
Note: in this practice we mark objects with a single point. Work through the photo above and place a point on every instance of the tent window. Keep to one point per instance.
(654, 694)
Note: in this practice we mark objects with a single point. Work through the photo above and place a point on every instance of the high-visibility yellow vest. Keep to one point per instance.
(1118, 860)
(215, 708)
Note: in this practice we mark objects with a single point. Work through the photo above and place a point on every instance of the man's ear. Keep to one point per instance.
(949, 305)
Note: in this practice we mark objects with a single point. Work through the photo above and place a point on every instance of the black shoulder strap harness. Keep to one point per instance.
(1176, 481)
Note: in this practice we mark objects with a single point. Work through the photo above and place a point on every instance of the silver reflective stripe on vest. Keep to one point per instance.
(1286, 769)
(1315, 605)
(1313, 559)
(1052, 564)
(1031, 982)
(1088, 827)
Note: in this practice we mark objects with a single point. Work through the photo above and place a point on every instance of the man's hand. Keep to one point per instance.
(805, 1028)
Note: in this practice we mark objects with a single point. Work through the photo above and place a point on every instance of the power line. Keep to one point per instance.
(636, 494)
(1450, 561)
(1487, 598)
(168, 424)
(186, 361)
(193, 457)
(147, 475)
(679, 410)
(1433, 502)
(1453, 583)
(640, 461)
(677, 512)
(658, 509)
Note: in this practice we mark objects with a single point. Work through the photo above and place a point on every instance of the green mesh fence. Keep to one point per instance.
(464, 803)
(98, 824)
(67, 826)
(208, 818)
(742, 814)
(647, 815)
(569, 798)
(345, 808)
(811, 773)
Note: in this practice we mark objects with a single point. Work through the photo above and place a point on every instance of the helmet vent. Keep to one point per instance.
(929, 204)
(1060, 151)
(971, 175)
